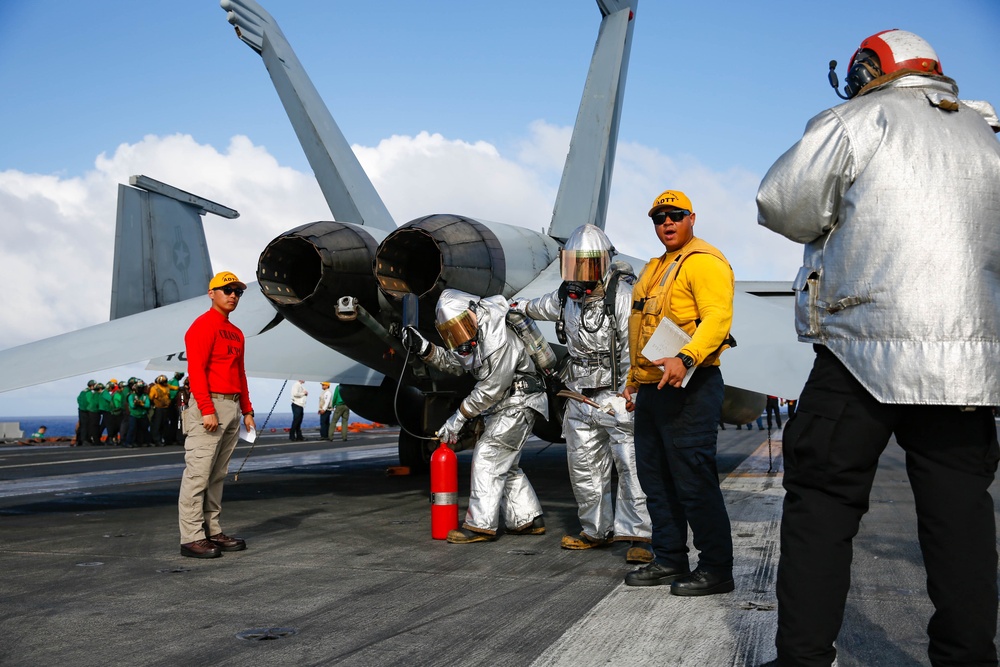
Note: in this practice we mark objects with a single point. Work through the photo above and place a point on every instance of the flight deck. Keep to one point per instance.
(341, 568)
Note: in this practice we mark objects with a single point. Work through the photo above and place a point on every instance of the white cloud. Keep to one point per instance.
(57, 256)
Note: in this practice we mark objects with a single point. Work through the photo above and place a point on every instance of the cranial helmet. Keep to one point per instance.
(453, 320)
(161, 379)
(887, 52)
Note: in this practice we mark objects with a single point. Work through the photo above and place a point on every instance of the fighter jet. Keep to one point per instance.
(329, 301)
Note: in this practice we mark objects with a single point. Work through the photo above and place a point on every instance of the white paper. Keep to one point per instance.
(249, 436)
(618, 406)
(667, 341)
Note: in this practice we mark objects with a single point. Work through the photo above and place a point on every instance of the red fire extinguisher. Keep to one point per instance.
(444, 492)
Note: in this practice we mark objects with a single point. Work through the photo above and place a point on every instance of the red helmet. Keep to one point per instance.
(887, 52)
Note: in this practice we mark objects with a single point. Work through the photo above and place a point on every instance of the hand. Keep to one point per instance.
(249, 423)
(673, 372)
(210, 422)
(415, 342)
(519, 306)
(448, 433)
(627, 394)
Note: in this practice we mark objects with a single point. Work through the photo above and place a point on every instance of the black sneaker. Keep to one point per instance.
(654, 574)
(702, 582)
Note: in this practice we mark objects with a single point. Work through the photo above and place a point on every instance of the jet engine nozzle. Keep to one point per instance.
(428, 254)
(307, 269)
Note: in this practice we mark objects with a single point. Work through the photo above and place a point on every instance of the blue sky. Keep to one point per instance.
(461, 107)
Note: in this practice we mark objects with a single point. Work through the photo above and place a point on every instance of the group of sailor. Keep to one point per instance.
(132, 413)
(591, 309)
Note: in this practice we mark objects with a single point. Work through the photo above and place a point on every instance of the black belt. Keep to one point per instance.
(235, 398)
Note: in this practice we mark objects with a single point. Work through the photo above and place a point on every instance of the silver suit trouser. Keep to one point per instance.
(498, 483)
(591, 449)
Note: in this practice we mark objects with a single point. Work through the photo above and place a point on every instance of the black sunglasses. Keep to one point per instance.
(675, 215)
(229, 289)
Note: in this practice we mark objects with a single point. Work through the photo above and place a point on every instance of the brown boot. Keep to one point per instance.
(536, 527)
(638, 552)
(465, 536)
(583, 541)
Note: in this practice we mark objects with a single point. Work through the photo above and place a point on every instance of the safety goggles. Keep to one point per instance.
(229, 289)
(675, 215)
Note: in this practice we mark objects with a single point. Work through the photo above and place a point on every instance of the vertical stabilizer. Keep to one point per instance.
(586, 179)
(347, 189)
(161, 256)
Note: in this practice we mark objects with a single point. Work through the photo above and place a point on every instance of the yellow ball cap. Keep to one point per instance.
(674, 198)
(226, 278)
(324, 384)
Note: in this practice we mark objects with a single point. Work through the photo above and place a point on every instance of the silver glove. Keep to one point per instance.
(448, 433)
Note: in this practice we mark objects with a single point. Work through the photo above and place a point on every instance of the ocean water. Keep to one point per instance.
(65, 426)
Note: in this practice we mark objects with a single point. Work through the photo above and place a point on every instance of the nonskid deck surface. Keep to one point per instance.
(341, 568)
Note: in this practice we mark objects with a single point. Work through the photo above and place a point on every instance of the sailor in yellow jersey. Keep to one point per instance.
(675, 427)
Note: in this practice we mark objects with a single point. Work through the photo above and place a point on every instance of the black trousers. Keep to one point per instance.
(831, 449)
(324, 425)
(298, 412)
(772, 407)
(675, 455)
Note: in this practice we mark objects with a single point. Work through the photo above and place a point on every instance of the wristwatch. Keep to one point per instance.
(686, 360)
(248, 414)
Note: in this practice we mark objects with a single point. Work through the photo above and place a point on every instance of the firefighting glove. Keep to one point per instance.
(448, 433)
(519, 306)
(415, 342)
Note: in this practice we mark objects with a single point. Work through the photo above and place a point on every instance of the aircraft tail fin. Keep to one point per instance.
(586, 179)
(161, 256)
(347, 189)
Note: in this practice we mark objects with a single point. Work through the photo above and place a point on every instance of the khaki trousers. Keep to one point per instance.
(206, 458)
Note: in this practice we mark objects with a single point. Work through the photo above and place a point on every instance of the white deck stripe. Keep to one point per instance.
(640, 625)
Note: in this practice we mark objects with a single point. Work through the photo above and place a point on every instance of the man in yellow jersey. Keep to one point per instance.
(675, 427)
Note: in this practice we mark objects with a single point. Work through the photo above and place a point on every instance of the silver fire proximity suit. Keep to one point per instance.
(909, 335)
(593, 442)
(508, 393)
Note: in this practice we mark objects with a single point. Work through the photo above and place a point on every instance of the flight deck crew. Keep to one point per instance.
(94, 413)
(299, 394)
(595, 329)
(896, 196)
(509, 394)
(692, 284)
(325, 408)
(83, 414)
(219, 393)
(341, 413)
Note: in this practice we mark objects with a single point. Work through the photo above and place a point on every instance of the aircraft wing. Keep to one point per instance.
(281, 352)
(768, 357)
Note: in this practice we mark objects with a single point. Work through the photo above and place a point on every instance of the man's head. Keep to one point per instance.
(456, 323)
(889, 52)
(91, 383)
(584, 260)
(43, 429)
(225, 290)
(325, 385)
(161, 379)
(673, 219)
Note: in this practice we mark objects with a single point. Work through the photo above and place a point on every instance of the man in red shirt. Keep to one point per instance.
(219, 395)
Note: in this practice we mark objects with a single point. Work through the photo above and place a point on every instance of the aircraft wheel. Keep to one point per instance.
(414, 453)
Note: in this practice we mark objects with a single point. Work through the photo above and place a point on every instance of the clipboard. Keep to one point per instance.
(667, 341)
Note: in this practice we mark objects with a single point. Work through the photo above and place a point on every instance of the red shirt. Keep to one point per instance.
(214, 348)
